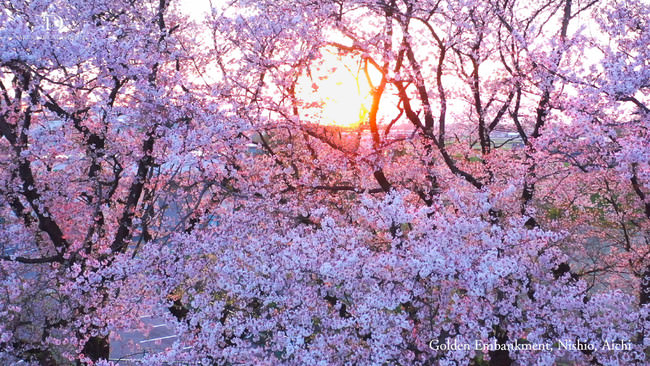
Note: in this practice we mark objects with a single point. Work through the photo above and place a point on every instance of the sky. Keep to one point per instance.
(344, 96)
(198, 8)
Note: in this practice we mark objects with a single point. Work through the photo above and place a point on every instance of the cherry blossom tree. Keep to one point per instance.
(155, 165)
(96, 120)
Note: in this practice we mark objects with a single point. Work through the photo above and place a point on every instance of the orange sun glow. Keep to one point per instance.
(335, 92)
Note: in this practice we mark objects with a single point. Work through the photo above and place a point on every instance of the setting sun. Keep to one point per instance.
(335, 92)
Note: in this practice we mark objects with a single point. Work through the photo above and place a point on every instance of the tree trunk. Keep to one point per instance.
(500, 357)
(644, 297)
(96, 348)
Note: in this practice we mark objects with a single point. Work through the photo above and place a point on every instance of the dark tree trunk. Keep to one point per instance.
(96, 348)
(644, 297)
(43, 357)
(500, 357)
